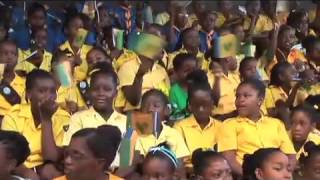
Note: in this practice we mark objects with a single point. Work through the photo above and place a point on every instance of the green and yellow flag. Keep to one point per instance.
(145, 44)
(64, 73)
(226, 46)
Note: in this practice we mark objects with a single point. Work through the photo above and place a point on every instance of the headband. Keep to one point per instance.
(166, 152)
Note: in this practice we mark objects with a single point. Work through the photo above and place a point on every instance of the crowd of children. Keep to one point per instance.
(94, 91)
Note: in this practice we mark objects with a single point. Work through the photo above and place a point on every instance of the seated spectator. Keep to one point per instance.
(98, 147)
(14, 150)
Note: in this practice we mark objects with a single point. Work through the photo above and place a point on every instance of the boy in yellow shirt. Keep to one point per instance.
(12, 85)
(191, 44)
(251, 130)
(40, 121)
(28, 61)
(223, 81)
(199, 130)
(80, 50)
(256, 24)
(155, 101)
(303, 124)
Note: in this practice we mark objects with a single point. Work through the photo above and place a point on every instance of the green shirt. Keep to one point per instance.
(178, 99)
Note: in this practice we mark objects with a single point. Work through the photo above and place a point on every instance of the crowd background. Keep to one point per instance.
(167, 90)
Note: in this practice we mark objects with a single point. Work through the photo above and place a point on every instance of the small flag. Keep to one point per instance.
(64, 73)
(248, 49)
(81, 37)
(143, 122)
(226, 46)
(118, 38)
(157, 126)
(127, 145)
(145, 44)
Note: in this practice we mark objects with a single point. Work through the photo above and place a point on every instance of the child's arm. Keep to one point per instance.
(216, 89)
(231, 158)
(50, 151)
(133, 92)
(271, 51)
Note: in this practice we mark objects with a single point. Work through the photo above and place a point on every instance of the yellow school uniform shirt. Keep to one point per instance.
(18, 84)
(221, 19)
(194, 136)
(263, 24)
(273, 94)
(246, 136)
(168, 135)
(81, 71)
(157, 78)
(70, 94)
(20, 119)
(111, 177)
(228, 86)
(202, 61)
(313, 137)
(28, 67)
(92, 119)
(303, 93)
(126, 56)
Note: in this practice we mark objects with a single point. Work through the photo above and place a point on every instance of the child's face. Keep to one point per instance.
(218, 169)
(209, 22)
(239, 32)
(8, 55)
(226, 6)
(192, 39)
(105, 19)
(155, 104)
(74, 26)
(247, 100)
(288, 74)
(37, 19)
(156, 168)
(102, 92)
(201, 105)
(301, 126)
(199, 6)
(181, 17)
(96, 56)
(232, 63)
(7, 165)
(253, 8)
(187, 67)
(303, 25)
(312, 170)
(216, 69)
(276, 167)
(250, 71)
(287, 39)
(41, 39)
(44, 89)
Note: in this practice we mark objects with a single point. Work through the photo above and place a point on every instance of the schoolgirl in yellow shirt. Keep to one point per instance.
(251, 130)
